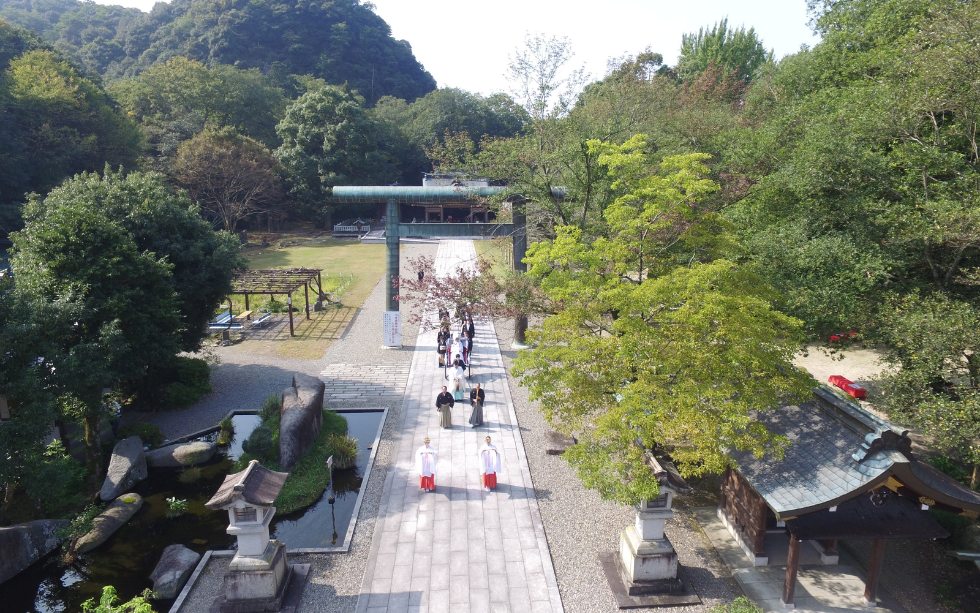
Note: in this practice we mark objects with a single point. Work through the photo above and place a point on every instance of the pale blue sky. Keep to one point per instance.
(465, 44)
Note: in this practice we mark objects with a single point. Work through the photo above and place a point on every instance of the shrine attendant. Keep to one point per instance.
(425, 464)
(477, 396)
(444, 404)
(489, 465)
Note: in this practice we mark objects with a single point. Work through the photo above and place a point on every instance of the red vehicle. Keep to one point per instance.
(855, 390)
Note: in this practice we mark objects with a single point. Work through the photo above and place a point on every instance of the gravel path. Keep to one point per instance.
(580, 525)
(335, 579)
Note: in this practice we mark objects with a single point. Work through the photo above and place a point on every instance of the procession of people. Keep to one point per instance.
(455, 353)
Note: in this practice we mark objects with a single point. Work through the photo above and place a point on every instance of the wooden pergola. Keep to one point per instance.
(278, 281)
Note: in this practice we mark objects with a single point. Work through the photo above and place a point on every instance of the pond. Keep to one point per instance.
(129, 556)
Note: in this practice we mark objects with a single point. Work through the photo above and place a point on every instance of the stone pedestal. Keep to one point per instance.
(255, 584)
(647, 560)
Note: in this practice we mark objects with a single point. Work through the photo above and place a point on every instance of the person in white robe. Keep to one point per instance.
(425, 464)
(490, 461)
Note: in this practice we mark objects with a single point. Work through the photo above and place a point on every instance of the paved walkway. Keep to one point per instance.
(459, 549)
(820, 588)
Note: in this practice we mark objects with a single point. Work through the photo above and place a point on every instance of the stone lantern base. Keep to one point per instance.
(262, 584)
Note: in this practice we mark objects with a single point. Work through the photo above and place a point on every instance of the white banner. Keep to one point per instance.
(392, 329)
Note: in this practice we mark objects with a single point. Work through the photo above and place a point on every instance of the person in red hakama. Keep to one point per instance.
(425, 464)
(489, 465)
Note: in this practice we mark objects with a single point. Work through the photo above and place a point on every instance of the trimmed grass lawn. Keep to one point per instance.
(500, 251)
(352, 263)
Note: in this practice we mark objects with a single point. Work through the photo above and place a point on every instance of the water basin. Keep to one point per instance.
(128, 558)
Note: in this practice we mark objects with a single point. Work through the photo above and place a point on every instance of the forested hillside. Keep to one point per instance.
(341, 41)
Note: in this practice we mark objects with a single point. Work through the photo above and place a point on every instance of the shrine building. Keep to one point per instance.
(847, 474)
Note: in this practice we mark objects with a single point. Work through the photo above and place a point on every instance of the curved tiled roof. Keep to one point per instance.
(255, 485)
(838, 451)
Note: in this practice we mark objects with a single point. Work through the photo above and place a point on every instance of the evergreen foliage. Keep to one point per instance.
(339, 42)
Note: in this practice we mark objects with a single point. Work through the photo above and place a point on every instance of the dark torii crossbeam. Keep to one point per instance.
(278, 281)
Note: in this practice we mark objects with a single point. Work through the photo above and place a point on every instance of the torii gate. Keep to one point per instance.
(396, 195)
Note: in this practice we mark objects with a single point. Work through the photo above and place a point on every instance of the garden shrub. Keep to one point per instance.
(261, 444)
(949, 466)
(192, 379)
(150, 434)
(272, 406)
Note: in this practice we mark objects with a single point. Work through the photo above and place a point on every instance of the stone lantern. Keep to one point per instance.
(258, 576)
(646, 572)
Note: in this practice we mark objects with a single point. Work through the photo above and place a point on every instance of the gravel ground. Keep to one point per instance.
(335, 579)
(580, 525)
(241, 381)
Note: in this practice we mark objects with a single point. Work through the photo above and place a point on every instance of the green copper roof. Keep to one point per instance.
(410, 194)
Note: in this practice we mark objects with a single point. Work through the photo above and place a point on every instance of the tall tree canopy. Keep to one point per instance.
(340, 41)
(54, 122)
(327, 140)
(231, 176)
(644, 352)
(737, 51)
(146, 270)
(175, 100)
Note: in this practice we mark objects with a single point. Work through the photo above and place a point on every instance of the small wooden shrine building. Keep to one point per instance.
(846, 475)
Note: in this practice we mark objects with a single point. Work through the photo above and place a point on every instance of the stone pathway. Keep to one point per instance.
(833, 588)
(459, 549)
(359, 383)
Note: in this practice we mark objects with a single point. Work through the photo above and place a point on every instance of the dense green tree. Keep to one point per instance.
(178, 99)
(27, 342)
(411, 131)
(55, 122)
(232, 177)
(933, 350)
(145, 269)
(342, 41)
(327, 140)
(737, 51)
(654, 342)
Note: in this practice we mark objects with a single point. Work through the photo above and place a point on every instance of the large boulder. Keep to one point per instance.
(24, 544)
(300, 419)
(184, 454)
(172, 571)
(126, 468)
(107, 522)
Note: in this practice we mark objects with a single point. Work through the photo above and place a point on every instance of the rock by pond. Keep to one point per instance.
(107, 522)
(172, 571)
(300, 420)
(185, 454)
(24, 544)
(127, 468)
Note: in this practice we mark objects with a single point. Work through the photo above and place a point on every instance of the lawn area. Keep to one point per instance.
(355, 265)
(500, 251)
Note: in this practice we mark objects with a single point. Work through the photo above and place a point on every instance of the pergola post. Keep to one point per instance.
(306, 292)
(289, 309)
(874, 571)
(246, 306)
(792, 567)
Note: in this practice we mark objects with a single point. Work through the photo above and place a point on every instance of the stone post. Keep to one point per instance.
(649, 562)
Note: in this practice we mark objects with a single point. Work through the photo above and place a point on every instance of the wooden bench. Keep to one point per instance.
(244, 315)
